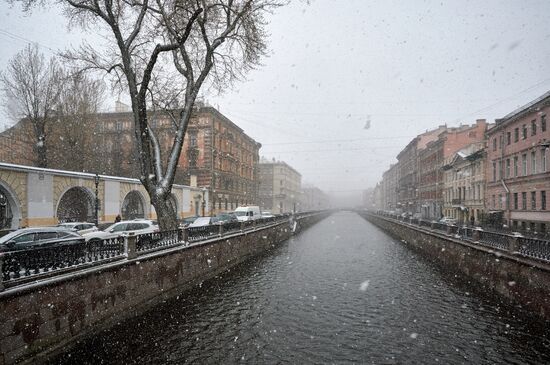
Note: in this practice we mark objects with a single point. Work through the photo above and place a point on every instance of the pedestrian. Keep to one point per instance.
(472, 220)
(118, 218)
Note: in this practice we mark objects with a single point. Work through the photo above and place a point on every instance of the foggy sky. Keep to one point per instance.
(409, 66)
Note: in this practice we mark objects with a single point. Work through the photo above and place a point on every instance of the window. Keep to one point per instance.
(533, 127)
(508, 138)
(118, 126)
(29, 237)
(494, 144)
(515, 201)
(543, 160)
(193, 139)
(533, 162)
(524, 201)
(533, 200)
(516, 134)
(507, 168)
(543, 123)
(516, 166)
(543, 200)
(494, 203)
(500, 201)
(524, 132)
(500, 170)
(45, 236)
(524, 164)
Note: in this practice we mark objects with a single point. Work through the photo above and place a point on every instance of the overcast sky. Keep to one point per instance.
(408, 66)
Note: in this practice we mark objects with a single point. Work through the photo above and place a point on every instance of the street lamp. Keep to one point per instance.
(96, 182)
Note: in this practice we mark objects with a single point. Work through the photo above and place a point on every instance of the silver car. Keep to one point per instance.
(123, 228)
(79, 227)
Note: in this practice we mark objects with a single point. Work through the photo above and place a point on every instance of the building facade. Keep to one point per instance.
(407, 185)
(389, 188)
(464, 184)
(518, 177)
(217, 155)
(280, 187)
(431, 160)
(313, 198)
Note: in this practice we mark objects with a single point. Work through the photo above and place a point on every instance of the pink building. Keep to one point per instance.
(518, 178)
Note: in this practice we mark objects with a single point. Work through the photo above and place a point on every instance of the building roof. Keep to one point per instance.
(272, 163)
(528, 108)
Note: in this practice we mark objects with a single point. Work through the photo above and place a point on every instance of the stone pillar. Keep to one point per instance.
(514, 242)
(130, 246)
(220, 230)
(185, 236)
(476, 235)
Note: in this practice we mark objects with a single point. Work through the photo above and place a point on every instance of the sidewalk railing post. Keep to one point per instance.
(130, 246)
(514, 242)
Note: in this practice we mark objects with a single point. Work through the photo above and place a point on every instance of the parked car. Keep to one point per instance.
(26, 238)
(227, 217)
(185, 222)
(204, 221)
(447, 220)
(79, 227)
(248, 213)
(267, 214)
(123, 228)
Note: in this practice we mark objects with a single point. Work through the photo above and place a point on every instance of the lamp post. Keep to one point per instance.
(96, 182)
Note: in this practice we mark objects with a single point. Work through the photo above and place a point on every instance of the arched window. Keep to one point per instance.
(76, 205)
(132, 206)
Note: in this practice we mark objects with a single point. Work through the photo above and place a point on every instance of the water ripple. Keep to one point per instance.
(307, 302)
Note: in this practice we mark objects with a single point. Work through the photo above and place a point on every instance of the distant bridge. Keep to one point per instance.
(31, 196)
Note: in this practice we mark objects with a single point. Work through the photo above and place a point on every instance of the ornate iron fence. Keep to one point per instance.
(495, 240)
(533, 247)
(149, 241)
(201, 233)
(38, 260)
(63, 256)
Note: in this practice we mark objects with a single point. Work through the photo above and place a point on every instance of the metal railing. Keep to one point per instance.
(40, 260)
(533, 247)
(149, 241)
(202, 233)
(21, 266)
(511, 242)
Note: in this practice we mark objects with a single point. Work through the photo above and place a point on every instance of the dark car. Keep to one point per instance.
(38, 237)
(185, 222)
(227, 217)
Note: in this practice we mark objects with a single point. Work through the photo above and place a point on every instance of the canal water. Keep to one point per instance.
(340, 292)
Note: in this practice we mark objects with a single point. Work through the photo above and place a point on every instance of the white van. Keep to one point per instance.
(248, 213)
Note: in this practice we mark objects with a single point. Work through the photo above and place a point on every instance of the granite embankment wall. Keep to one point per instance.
(41, 319)
(522, 280)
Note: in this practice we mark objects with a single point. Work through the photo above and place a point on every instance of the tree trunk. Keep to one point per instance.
(41, 154)
(165, 214)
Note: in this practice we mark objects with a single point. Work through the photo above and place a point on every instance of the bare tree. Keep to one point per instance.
(32, 86)
(155, 47)
(72, 142)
